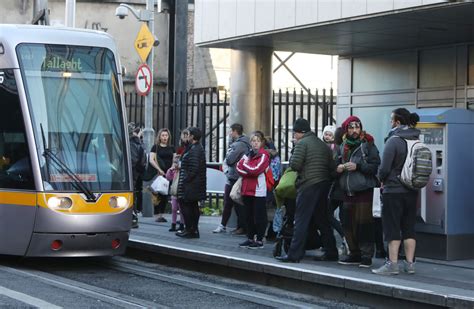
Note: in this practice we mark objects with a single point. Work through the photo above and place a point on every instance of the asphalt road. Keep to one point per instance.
(126, 283)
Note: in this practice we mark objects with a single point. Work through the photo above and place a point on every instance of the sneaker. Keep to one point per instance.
(256, 245)
(388, 268)
(161, 220)
(246, 243)
(350, 260)
(408, 267)
(220, 229)
(365, 262)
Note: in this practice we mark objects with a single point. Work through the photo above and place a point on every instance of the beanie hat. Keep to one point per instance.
(131, 127)
(331, 129)
(345, 124)
(301, 125)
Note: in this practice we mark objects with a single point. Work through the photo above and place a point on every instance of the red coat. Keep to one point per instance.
(252, 170)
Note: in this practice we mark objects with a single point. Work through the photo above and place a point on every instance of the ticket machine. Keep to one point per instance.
(445, 228)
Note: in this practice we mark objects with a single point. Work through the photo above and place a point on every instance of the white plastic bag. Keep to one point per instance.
(377, 204)
(160, 185)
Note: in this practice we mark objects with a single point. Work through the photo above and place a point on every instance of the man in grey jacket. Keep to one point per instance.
(239, 146)
(399, 202)
(313, 161)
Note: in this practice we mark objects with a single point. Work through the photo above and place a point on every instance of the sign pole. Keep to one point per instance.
(148, 132)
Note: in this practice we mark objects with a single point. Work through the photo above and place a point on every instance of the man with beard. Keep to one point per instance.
(357, 169)
(399, 202)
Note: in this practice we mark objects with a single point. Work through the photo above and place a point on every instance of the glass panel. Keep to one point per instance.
(75, 105)
(15, 165)
(384, 72)
(437, 67)
(471, 65)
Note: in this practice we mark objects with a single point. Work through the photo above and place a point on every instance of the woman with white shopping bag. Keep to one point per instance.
(161, 158)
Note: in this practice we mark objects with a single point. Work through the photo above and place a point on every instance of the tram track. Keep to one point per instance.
(80, 278)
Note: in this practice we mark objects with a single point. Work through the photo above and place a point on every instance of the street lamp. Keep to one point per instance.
(147, 16)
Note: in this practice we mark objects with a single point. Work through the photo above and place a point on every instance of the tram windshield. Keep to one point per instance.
(74, 101)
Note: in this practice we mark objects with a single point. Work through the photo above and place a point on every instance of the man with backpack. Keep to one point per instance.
(399, 201)
(138, 159)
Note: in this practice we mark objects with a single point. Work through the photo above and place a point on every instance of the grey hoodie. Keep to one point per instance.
(234, 153)
(393, 158)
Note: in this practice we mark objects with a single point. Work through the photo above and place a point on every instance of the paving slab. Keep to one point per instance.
(442, 283)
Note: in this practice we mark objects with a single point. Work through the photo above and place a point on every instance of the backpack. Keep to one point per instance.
(418, 165)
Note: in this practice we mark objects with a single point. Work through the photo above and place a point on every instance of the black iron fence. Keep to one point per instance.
(209, 110)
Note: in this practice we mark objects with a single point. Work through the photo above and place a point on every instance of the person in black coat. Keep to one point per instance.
(138, 159)
(192, 183)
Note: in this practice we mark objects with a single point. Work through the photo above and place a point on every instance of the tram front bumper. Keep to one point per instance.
(77, 245)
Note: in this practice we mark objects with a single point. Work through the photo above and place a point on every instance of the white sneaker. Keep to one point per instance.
(220, 229)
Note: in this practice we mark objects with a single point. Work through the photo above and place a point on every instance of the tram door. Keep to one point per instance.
(17, 189)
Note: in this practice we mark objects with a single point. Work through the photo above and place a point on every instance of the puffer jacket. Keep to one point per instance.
(192, 174)
(237, 149)
(312, 160)
(393, 159)
(367, 159)
(252, 169)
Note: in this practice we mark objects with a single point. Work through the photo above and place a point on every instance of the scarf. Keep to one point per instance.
(349, 144)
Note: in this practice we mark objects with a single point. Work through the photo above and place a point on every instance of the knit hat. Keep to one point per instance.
(301, 125)
(345, 124)
(331, 129)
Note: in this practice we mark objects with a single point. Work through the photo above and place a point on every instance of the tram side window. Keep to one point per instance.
(15, 165)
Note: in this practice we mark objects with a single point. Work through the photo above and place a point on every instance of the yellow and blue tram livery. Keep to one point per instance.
(65, 185)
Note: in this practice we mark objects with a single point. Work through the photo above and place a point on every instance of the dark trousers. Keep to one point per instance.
(358, 224)
(256, 212)
(161, 207)
(311, 202)
(228, 205)
(137, 195)
(335, 224)
(191, 215)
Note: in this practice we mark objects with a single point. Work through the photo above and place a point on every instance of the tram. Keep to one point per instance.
(65, 184)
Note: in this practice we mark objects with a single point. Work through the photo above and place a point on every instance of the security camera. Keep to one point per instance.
(121, 12)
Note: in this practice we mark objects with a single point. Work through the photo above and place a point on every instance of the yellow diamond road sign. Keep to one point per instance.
(144, 42)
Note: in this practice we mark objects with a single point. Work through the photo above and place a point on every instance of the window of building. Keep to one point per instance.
(437, 67)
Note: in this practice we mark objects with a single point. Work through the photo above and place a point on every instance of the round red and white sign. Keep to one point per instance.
(143, 80)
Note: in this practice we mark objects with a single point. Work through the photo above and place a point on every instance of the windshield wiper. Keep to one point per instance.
(76, 182)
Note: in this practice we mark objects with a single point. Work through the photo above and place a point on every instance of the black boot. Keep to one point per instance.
(173, 227)
(181, 227)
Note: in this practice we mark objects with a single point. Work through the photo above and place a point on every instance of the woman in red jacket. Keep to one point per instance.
(252, 168)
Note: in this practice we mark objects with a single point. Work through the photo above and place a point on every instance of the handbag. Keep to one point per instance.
(286, 188)
(160, 185)
(236, 192)
(174, 185)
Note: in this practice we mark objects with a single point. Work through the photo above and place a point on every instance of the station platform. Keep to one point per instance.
(436, 283)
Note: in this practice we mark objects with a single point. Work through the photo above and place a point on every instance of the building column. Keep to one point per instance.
(251, 88)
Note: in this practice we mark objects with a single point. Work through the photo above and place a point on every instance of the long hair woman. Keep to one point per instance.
(161, 158)
(252, 168)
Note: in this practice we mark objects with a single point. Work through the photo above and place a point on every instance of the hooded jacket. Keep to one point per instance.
(252, 169)
(236, 150)
(393, 159)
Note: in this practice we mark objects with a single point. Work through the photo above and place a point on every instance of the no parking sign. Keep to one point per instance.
(143, 80)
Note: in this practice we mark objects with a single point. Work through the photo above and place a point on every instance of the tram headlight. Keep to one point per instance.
(118, 202)
(59, 202)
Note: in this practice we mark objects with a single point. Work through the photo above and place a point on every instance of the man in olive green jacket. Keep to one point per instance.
(313, 162)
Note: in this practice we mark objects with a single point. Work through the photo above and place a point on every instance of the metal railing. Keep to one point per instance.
(209, 110)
